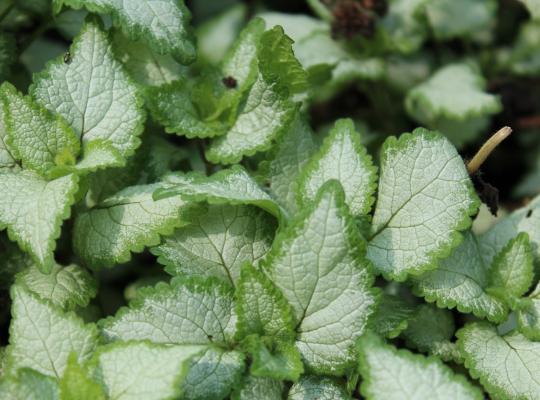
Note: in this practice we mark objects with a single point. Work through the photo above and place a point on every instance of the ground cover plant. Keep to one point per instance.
(314, 199)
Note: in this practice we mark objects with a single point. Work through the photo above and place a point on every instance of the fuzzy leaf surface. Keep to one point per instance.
(132, 370)
(42, 336)
(259, 388)
(425, 198)
(28, 384)
(343, 158)
(171, 314)
(318, 264)
(162, 24)
(392, 316)
(391, 374)
(285, 162)
(507, 366)
(456, 92)
(228, 186)
(217, 242)
(66, 287)
(125, 222)
(461, 281)
(40, 140)
(33, 210)
(315, 388)
(93, 92)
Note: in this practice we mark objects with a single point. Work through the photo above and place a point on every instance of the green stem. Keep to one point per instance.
(7, 9)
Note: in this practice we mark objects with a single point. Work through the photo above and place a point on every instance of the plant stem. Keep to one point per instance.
(7, 9)
(487, 148)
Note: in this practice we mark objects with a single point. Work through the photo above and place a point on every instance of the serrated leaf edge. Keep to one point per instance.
(395, 144)
(343, 127)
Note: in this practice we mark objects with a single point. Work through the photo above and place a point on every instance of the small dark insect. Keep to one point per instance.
(350, 18)
(210, 337)
(67, 57)
(489, 194)
(529, 213)
(229, 82)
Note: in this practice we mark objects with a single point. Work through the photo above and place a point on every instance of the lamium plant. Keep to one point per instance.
(268, 200)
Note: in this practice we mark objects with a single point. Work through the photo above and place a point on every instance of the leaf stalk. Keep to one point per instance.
(487, 148)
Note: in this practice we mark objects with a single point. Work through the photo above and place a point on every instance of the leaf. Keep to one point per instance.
(217, 34)
(125, 222)
(163, 25)
(146, 66)
(7, 158)
(277, 61)
(173, 107)
(97, 154)
(229, 186)
(403, 28)
(341, 157)
(390, 373)
(512, 272)
(324, 59)
(522, 57)
(430, 331)
(217, 242)
(319, 53)
(525, 219)
(404, 72)
(350, 70)
(162, 157)
(479, 18)
(528, 315)
(285, 160)
(262, 309)
(261, 103)
(33, 210)
(534, 8)
(296, 26)
(171, 314)
(391, 316)
(317, 388)
(42, 336)
(208, 107)
(419, 171)
(76, 384)
(461, 281)
(106, 183)
(134, 369)
(65, 287)
(28, 384)
(281, 362)
(260, 389)
(265, 114)
(507, 366)
(93, 92)
(213, 375)
(240, 61)
(456, 92)
(318, 263)
(34, 136)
